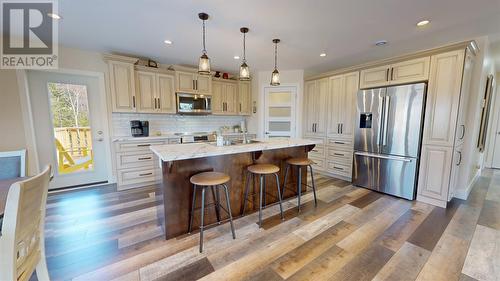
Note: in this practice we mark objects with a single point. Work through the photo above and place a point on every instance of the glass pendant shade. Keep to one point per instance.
(244, 72)
(204, 65)
(275, 78)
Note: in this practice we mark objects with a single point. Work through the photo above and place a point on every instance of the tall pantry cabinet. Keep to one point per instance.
(330, 106)
(444, 127)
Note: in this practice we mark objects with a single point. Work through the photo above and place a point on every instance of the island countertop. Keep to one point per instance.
(173, 152)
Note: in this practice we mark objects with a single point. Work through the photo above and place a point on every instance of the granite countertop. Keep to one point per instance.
(172, 152)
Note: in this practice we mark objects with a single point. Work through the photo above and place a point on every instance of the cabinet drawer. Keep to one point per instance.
(318, 152)
(137, 146)
(173, 141)
(340, 155)
(318, 163)
(134, 160)
(137, 176)
(341, 144)
(339, 169)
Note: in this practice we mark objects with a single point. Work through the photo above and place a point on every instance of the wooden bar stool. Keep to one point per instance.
(299, 163)
(214, 180)
(262, 170)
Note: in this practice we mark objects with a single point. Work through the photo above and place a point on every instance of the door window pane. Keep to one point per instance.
(280, 111)
(280, 98)
(70, 118)
(279, 126)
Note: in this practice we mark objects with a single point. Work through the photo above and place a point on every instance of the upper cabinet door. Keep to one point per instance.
(310, 107)
(348, 104)
(203, 84)
(410, 71)
(230, 97)
(217, 98)
(320, 100)
(375, 77)
(122, 86)
(443, 97)
(146, 91)
(335, 104)
(185, 82)
(166, 94)
(244, 98)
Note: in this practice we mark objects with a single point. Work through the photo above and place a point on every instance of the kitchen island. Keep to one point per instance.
(178, 162)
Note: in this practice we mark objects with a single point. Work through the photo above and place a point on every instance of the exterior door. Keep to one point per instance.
(70, 127)
(280, 112)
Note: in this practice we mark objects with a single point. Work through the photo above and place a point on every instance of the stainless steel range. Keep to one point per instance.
(387, 139)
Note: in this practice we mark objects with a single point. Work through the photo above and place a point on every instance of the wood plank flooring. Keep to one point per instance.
(352, 234)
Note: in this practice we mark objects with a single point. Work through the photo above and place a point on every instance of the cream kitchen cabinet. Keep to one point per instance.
(398, 73)
(244, 98)
(121, 83)
(316, 103)
(155, 92)
(342, 104)
(441, 157)
(189, 82)
(224, 98)
(443, 97)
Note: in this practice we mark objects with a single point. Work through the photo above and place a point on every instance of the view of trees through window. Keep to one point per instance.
(70, 118)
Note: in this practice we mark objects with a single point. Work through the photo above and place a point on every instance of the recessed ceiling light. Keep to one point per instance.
(423, 23)
(322, 55)
(236, 57)
(168, 42)
(54, 16)
(381, 42)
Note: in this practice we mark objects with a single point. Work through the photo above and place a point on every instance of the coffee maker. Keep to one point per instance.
(139, 128)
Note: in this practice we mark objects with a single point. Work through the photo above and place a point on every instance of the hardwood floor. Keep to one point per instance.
(353, 234)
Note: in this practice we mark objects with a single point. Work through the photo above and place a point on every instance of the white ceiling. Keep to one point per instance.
(345, 29)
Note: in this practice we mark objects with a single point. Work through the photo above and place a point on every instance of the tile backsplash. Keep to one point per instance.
(172, 123)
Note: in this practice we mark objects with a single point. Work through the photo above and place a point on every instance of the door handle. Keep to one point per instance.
(386, 120)
(463, 132)
(381, 101)
(99, 139)
(194, 87)
(133, 101)
(387, 74)
(155, 104)
(146, 174)
(196, 84)
(159, 104)
(460, 158)
(341, 128)
(240, 106)
(338, 128)
(392, 73)
(144, 158)
(397, 158)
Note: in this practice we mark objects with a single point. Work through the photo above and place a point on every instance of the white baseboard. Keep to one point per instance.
(431, 201)
(464, 194)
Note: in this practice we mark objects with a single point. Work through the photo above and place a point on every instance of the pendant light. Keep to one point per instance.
(244, 70)
(275, 76)
(204, 63)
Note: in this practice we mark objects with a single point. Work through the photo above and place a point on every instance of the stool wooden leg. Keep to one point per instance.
(229, 211)
(245, 198)
(260, 201)
(216, 202)
(299, 186)
(284, 182)
(192, 209)
(313, 186)
(202, 217)
(279, 195)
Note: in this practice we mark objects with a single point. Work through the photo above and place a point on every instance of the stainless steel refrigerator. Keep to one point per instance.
(387, 139)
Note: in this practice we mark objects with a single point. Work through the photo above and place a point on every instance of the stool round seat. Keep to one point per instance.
(263, 169)
(300, 161)
(209, 178)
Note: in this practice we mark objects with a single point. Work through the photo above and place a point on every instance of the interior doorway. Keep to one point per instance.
(70, 124)
(280, 112)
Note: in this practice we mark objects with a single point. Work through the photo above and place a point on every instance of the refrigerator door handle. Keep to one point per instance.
(386, 119)
(380, 113)
(397, 158)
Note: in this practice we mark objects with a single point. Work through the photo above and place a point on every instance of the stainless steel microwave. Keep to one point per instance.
(193, 104)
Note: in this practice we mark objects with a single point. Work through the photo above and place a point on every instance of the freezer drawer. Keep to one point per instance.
(388, 174)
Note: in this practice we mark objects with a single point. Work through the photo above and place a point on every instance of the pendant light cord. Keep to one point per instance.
(275, 56)
(204, 48)
(244, 47)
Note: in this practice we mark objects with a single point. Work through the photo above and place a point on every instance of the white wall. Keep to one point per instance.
(473, 158)
(255, 123)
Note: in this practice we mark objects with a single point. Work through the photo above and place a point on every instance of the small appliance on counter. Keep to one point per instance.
(139, 128)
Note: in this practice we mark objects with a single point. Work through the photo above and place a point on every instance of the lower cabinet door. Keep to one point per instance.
(435, 170)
